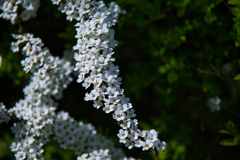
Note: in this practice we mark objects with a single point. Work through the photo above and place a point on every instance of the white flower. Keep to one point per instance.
(122, 134)
(20, 155)
(56, 1)
(129, 144)
(97, 104)
(131, 113)
(146, 144)
(138, 143)
(118, 115)
(15, 146)
(108, 108)
(125, 124)
(213, 104)
(133, 136)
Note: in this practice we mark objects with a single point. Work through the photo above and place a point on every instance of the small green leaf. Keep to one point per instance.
(237, 77)
(237, 139)
(236, 44)
(233, 2)
(162, 69)
(225, 131)
(153, 34)
(235, 130)
(162, 50)
(228, 142)
(232, 128)
(183, 38)
(158, 16)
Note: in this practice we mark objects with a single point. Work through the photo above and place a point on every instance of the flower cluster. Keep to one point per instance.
(37, 109)
(213, 104)
(101, 155)
(51, 75)
(94, 50)
(5, 115)
(9, 9)
(80, 137)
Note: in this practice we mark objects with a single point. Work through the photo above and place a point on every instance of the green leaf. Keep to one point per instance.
(183, 38)
(232, 128)
(237, 77)
(153, 34)
(228, 142)
(233, 2)
(162, 50)
(236, 44)
(172, 77)
(237, 139)
(158, 16)
(225, 131)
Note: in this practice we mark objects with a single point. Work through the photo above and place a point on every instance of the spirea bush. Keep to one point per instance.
(66, 66)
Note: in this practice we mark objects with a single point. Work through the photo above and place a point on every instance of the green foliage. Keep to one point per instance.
(233, 131)
(53, 151)
(5, 142)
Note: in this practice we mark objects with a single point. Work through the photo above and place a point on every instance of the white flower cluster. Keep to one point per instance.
(9, 9)
(5, 115)
(37, 110)
(99, 155)
(32, 133)
(79, 137)
(51, 74)
(213, 104)
(94, 50)
(69, 133)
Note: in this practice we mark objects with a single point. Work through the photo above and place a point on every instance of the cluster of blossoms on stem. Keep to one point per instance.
(5, 115)
(101, 154)
(213, 104)
(51, 75)
(93, 53)
(9, 9)
(37, 110)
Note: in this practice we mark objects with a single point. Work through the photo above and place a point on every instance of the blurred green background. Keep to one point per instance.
(173, 56)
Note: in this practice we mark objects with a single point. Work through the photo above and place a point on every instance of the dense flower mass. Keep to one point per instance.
(9, 9)
(51, 75)
(94, 50)
(5, 115)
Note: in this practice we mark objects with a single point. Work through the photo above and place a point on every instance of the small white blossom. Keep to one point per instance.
(213, 104)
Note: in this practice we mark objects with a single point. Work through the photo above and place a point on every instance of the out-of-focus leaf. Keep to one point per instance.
(225, 131)
(228, 142)
(233, 2)
(237, 77)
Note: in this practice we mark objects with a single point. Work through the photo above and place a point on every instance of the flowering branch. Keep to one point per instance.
(94, 50)
(37, 110)
(93, 54)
